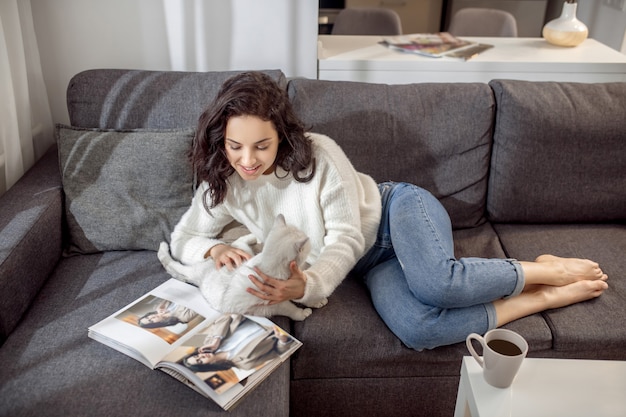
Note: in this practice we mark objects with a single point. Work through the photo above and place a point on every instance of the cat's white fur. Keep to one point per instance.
(225, 290)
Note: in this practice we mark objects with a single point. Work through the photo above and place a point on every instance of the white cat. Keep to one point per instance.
(225, 290)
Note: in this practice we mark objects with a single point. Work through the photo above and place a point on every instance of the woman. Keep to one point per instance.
(236, 341)
(255, 160)
(166, 314)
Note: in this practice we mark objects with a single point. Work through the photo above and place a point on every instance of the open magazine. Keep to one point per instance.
(435, 45)
(173, 328)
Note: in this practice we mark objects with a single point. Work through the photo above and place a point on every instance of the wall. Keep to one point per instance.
(185, 35)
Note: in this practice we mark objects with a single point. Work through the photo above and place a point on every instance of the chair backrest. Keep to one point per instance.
(473, 21)
(367, 21)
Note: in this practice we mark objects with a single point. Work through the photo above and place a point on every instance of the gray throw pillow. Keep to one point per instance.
(124, 190)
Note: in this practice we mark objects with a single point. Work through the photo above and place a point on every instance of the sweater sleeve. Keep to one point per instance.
(197, 230)
(350, 203)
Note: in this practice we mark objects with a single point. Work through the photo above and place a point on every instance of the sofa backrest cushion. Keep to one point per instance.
(559, 152)
(126, 176)
(437, 136)
(131, 99)
(124, 190)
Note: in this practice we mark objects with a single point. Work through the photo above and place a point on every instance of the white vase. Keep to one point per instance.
(567, 30)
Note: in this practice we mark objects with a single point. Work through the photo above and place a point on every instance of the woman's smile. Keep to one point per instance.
(251, 146)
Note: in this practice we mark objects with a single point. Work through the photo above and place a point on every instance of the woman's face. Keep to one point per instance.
(201, 359)
(153, 318)
(251, 146)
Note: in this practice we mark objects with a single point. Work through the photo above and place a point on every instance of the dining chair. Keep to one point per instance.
(367, 21)
(474, 21)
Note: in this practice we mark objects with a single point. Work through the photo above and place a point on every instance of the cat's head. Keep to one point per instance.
(287, 241)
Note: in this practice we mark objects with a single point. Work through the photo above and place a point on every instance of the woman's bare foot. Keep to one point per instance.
(556, 297)
(537, 298)
(557, 271)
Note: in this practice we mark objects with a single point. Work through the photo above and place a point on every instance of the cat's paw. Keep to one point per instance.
(302, 314)
(319, 304)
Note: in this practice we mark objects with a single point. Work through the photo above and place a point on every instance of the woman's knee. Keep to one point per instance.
(419, 334)
(437, 284)
(413, 195)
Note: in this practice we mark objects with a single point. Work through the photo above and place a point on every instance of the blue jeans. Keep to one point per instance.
(424, 294)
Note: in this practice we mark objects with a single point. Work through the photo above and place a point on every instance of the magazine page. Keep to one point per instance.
(427, 44)
(229, 356)
(149, 328)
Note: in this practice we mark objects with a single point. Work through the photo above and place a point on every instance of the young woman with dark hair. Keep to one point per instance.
(255, 160)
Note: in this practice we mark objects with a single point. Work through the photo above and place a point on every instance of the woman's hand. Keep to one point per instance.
(228, 256)
(275, 291)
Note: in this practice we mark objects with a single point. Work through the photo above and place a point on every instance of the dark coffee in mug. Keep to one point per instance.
(504, 347)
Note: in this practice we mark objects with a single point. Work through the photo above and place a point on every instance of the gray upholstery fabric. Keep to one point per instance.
(375, 397)
(123, 189)
(437, 136)
(31, 238)
(348, 352)
(367, 21)
(49, 367)
(559, 152)
(364, 335)
(130, 99)
(477, 21)
(593, 329)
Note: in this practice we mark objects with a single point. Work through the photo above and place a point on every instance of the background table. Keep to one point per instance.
(361, 58)
(546, 388)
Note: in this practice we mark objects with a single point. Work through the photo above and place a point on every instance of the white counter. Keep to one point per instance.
(361, 58)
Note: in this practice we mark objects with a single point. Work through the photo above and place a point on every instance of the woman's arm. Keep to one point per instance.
(196, 232)
(350, 208)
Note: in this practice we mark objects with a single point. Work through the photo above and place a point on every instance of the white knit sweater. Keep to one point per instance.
(339, 209)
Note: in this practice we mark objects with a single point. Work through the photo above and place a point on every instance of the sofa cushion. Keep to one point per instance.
(559, 152)
(347, 338)
(50, 367)
(123, 189)
(593, 329)
(130, 99)
(437, 136)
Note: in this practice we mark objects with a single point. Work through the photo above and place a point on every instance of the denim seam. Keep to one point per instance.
(424, 213)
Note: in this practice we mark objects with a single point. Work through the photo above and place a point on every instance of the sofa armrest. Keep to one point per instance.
(31, 238)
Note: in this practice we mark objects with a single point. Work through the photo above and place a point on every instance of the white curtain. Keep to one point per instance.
(26, 128)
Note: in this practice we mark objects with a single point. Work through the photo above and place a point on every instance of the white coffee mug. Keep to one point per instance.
(503, 354)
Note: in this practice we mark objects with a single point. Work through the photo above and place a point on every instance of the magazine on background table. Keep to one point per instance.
(255, 346)
(435, 45)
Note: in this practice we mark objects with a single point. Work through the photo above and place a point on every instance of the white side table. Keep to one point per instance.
(546, 388)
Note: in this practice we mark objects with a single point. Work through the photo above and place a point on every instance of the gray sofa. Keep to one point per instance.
(523, 168)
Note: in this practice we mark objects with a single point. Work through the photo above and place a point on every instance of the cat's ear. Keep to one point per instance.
(301, 243)
(280, 220)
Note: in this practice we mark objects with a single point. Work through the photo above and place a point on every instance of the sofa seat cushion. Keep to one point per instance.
(49, 366)
(593, 329)
(347, 338)
(124, 190)
(437, 136)
(559, 153)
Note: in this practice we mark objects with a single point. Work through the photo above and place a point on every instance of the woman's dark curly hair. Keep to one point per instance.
(218, 365)
(169, 321)
(248, 94)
